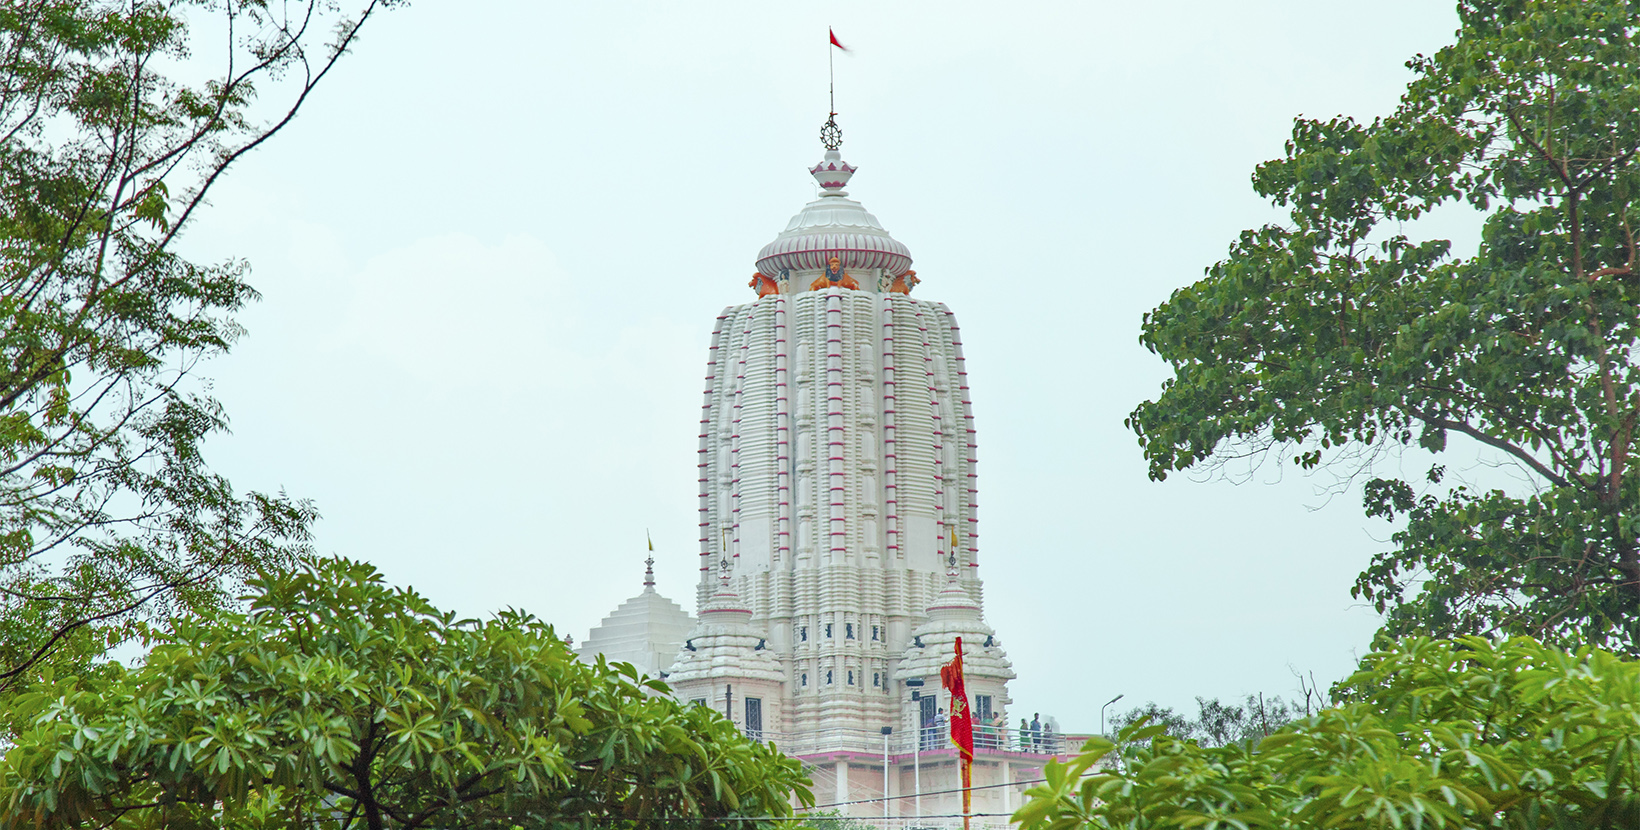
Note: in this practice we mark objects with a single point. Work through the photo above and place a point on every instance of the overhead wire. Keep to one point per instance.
(807, 812)
(932, 792)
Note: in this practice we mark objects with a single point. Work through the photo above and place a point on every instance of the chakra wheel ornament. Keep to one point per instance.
(831, 135)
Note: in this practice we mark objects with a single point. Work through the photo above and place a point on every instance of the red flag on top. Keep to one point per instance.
(962, 722)
(834, 40)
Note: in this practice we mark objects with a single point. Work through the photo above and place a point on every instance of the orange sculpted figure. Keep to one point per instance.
(764, 284)
(834, 276)
(904, 284)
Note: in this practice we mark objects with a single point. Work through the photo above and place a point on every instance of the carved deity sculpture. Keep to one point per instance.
(904, 284)
(834, 276)
(764, 284)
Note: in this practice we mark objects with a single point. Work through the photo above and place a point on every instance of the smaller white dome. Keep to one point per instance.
(724, 644)
(954, 614)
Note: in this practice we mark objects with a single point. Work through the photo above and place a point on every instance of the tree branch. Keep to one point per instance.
(1520, 454)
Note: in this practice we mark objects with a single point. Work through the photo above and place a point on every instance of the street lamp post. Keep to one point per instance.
(887, 730)
(1102, 713)
(916, 746)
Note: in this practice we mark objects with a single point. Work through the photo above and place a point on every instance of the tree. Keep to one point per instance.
(1216, 723)
(1433, 733)
(1222, 723)
(108, 513)
(1338, 338)
(1178, 724)
(338, 702)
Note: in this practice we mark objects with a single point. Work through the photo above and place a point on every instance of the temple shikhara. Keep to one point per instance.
(839, 531)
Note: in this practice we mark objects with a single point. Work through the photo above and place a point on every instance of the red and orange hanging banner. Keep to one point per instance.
(962, 723)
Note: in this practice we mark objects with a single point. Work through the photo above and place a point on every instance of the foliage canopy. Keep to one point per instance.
(1339, 336)
(337, 702)
(1432, 734)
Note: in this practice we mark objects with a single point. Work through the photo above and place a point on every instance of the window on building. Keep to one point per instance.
(876, 630)
(928, 735)
(803, 634)
(982, 708)
(851, 677)
(876, 678)
(848, 630)
(828, 677)
(828, 631)
(699, 701)
(754, 718)
(805, 680)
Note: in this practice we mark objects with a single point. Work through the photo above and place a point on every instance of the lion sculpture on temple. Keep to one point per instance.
(904, 283)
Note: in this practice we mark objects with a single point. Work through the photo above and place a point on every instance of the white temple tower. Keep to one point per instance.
(839, 542)
(837, 457)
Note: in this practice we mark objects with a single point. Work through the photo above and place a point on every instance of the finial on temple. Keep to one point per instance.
(649, 564)
(831, 135)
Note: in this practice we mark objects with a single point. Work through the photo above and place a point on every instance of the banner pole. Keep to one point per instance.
(967, 782)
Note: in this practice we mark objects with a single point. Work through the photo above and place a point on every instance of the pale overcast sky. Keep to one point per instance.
(493, 247)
